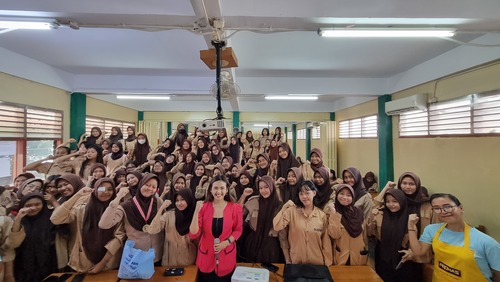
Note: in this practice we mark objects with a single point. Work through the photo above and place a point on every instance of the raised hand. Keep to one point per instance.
(247, 192)
(122, 192)
(85, 191)
(412, 221)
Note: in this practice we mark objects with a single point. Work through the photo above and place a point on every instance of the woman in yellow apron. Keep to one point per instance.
(461, 252)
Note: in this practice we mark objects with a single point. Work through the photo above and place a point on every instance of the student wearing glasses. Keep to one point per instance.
(461, 252)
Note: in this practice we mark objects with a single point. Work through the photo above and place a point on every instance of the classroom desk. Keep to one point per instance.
(339, 274)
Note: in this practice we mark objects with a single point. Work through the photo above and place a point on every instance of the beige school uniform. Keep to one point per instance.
(346, 247)
(77, 257)
(115, 214)
(178, 250)
(308, 237)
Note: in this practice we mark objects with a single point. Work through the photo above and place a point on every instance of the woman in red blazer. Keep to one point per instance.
(219, 222)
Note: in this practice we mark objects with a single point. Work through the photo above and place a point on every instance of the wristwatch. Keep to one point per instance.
(229, 240)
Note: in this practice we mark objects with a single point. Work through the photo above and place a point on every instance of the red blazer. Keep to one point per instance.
(232, 226)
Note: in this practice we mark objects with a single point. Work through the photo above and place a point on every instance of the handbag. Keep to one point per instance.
(135, 263)
(307, 273)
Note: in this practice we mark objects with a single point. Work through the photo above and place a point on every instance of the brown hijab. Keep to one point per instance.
(318, 152)
(290, 192)
(131, 210)
(415, 200)
(325, 190)
(352, 217)
(72, 179)
(26, 183)
(94, 239)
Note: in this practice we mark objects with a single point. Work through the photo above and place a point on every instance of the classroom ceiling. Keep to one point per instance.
(104, 48)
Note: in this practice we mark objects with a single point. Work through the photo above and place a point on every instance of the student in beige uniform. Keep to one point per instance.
(95, 249)
(346, 227)
(178, 249)
(307, 234)
(136, 215)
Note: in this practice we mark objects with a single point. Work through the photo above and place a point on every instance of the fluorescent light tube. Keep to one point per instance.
(262, 125)
(386, 32)
(143, 97)
(291, 97)
(24, 25)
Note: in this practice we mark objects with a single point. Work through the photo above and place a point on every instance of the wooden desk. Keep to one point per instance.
(339, 273)
(190, 274)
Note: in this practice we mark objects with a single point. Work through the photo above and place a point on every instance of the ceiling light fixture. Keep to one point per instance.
(11, 24)
(143, 97)
(386, 32)
(262, 125)
(291, 97)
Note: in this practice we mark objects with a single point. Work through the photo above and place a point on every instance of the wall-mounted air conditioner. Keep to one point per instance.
(411, 103)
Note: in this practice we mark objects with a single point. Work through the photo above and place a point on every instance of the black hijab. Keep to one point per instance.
(167, 150)
(134, 217)
(141, 151)
(240, 187)
(91, 139)
(415, 200)
(94, 239)
(352, 217)
(118, 136)
(261, 171)
(133, 189)
(324, 191)
(36, 256)
(394, 227)
(131, 137)
(118, 154)
(359, 187)
(287, 163)
(183, 218)
(195, 180)
(290, 192)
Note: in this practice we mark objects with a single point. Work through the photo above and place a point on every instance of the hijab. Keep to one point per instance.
(290, 192)
(167, 150)
(359, 187)
(36, 256)
(119, 154)
(91, 139)
(273, 152)
(240, 187)
(249, 139)
(188, 168)
(195, 180)
(267, 210)
(200, 151)
(118, 173)
(394, 228)
(97, 160)
(415, 200)
(162, 176)
(216, 158)
(183, 218)
(72, 179)
(234, 151)
(92, 169)
(262, 171)
(285, 164)
(94, 238)
(26, 183)
(132, 136)
(171, 194)
(118, 136)
(325, 190)
(318, 152)
(134, 217)
(367, 183)
(180, 135)
(141, 151)
(133, 189)
(352, 217)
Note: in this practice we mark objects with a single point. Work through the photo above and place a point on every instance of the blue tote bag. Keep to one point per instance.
(135, 263)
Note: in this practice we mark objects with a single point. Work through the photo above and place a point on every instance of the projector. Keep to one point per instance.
(212, 124)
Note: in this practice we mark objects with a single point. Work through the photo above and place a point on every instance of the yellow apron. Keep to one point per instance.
(455, 263)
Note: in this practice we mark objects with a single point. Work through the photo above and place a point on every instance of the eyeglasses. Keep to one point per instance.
(443, 209)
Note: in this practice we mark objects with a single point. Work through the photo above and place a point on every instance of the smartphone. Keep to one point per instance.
(173, 271)
(269, 266)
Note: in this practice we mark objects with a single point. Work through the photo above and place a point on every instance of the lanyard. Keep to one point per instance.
(145, 217)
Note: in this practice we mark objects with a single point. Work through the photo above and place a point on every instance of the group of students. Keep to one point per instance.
(196, 199)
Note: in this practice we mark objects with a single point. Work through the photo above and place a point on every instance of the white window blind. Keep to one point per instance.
(106, 125)
(301, 134)
(289, 135)
(316, 132)
(470, 115)
(486, 114)
(365, 127)
(20, 121)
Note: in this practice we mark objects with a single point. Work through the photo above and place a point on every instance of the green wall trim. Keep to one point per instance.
(236, 120)
(140, 115)
(308, 141)
(77, 115)
(169, 129)
(385, 143)
(294, 139)
(332, 116)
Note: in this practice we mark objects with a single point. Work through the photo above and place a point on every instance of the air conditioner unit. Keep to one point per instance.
(411, 103)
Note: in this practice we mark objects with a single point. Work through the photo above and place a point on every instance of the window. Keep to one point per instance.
(27, 134)
(301, 134)
(289, 135)
(106, 125)
(365, 127)
(316, 132)
(470, 115)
